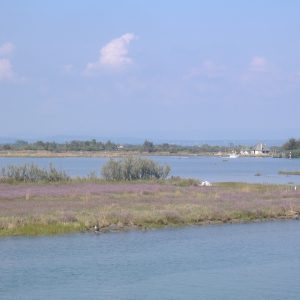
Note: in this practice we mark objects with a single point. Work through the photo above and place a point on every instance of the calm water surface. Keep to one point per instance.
(246, 261)
(214, 169)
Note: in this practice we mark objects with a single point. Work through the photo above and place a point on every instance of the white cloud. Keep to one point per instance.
(114, 54)
(6, 71)
(6, 48)
(258, 64)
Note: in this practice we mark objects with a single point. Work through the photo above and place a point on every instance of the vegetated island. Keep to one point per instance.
(37, 201)
(93, 148)
(289, 172)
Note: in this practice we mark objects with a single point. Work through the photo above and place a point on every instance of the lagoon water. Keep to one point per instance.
(241, 261)
(215, 169)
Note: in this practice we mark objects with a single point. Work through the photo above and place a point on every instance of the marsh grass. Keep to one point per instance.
(63, 208)
(35, 229)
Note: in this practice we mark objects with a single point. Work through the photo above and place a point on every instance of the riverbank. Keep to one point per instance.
(42, 153)
(42, 209)
(118, 153)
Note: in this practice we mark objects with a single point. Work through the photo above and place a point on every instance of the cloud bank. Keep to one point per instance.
(6, 71)
(6, 48)
(114, 55)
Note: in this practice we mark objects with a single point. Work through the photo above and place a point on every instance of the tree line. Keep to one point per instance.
(93, 145)
(75, 145)
(290, 148)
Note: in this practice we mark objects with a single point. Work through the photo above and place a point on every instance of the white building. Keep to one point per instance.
(260, 149)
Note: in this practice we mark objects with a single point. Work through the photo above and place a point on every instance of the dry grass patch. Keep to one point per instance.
(51, 209)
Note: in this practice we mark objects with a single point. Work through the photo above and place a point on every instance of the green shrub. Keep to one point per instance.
(178, 181)
(295, 153)
(134, 168)
(31, 173)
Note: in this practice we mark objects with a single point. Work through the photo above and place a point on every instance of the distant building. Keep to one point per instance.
(244, 152)
(260, 149)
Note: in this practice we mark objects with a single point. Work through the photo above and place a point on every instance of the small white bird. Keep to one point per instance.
(205, 183)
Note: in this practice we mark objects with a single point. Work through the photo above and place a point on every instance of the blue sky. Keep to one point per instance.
(153, 69)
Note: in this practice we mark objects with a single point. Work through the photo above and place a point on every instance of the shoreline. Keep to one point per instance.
(65, 229)
(113, 154)
(49, 209)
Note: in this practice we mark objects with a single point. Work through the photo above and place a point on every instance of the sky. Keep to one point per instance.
(150, 69)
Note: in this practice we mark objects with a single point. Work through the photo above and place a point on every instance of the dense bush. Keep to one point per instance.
(31, 173)
(134, 168)
(294, 153)
(292, 144)
(179, 181)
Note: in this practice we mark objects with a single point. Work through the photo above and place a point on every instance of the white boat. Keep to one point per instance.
(233, 155)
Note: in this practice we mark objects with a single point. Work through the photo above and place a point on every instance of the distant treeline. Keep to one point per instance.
(93, 145)
(290, 148)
